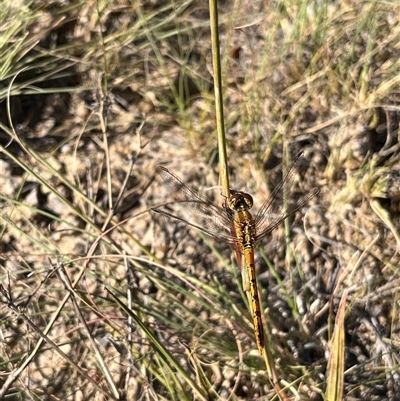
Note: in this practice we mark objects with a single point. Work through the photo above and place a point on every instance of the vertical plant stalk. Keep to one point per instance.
(219, 104)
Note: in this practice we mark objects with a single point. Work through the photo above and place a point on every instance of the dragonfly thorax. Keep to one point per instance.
(240, 201)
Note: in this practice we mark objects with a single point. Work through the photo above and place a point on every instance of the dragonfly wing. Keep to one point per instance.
(278, 194)
(208, 224)
(273, 212)
(209, 218)
(178, 189)
(272, 220)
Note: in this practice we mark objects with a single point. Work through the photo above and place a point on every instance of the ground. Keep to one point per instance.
(102, 297)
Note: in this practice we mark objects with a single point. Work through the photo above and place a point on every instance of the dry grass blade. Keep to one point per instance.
(336, 362)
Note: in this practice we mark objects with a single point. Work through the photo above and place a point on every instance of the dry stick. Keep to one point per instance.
(129, 296)
(103, 124)
(102, 112)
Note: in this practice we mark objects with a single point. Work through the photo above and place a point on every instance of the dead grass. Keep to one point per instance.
(93, 96)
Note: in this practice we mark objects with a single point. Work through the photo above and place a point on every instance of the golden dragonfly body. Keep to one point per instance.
(245, 231)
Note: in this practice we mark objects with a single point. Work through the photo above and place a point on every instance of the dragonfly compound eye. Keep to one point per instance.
(240, 200)
(248, 199)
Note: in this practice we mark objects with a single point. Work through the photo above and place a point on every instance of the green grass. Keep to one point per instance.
(93, 96)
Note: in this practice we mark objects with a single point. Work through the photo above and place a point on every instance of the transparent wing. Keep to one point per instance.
(273, 212)
(271, 220)
(209, 218)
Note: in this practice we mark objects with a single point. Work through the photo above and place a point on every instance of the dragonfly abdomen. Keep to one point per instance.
(255, 300)
(246, 234)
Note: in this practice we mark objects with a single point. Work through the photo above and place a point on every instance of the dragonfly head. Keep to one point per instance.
(240, 201)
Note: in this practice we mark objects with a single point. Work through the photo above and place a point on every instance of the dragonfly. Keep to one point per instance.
(234, 224)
